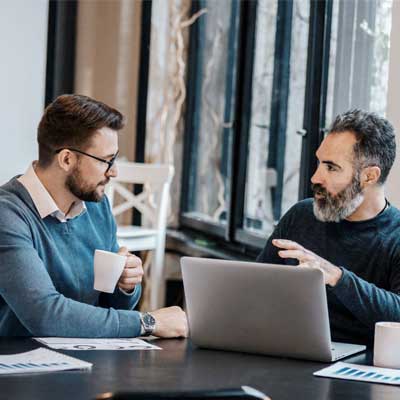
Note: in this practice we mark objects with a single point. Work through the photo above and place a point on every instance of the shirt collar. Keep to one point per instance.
(42, 199)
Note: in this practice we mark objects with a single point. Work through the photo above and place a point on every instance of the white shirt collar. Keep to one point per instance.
(42, 199)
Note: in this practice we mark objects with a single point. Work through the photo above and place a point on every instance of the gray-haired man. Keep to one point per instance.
(349, 230)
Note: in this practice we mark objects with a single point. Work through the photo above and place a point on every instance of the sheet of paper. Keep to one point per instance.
(39, 360)
(60, 343)
(354, 372)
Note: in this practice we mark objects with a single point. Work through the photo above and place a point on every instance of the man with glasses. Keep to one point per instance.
(53, 218)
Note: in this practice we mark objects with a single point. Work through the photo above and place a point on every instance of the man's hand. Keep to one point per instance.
(132, 273)
(332, 274)
(171, 322)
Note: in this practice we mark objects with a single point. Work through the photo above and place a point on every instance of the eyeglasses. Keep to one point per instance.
(110, 163)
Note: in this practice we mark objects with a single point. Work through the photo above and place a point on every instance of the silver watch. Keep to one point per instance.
(148, 323)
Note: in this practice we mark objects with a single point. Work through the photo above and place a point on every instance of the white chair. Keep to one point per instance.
(152, 203)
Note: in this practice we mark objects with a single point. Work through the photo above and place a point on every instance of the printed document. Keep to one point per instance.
(39, 360)
(60, 343)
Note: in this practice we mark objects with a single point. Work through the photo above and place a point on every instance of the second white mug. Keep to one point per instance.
(387, 345)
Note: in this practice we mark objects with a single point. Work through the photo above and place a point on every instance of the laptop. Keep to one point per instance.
(278, 310)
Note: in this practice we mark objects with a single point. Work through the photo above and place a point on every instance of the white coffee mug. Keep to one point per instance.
(387, 345)
(108, 268)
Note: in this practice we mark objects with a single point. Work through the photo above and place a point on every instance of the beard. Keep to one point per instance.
(82, 190)
(334, 208)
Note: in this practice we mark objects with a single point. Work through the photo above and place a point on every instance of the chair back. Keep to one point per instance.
(152, 202)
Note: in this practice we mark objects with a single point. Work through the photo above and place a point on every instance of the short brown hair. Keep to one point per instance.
(70, 121)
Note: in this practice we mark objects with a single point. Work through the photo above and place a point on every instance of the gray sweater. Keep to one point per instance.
(368, 253)
(46, 272)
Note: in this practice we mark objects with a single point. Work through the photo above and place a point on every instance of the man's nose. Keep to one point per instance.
(317, 177)
(112, 172)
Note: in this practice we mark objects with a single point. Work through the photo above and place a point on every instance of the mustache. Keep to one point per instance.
(104, 182)
(319, 189)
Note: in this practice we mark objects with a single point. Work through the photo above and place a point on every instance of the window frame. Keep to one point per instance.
(313, 121)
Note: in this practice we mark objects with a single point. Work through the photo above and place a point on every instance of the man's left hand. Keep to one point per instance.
(132, 273)
(307, 258)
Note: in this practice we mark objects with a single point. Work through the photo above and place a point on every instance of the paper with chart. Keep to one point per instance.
(39, 360)
(60, 343)
(355, 372)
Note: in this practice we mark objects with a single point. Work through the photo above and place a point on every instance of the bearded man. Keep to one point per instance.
(348, 230)
(53, 218)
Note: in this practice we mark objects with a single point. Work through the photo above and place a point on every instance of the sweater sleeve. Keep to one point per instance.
(120, 299)
(367, 302)
(27, 288)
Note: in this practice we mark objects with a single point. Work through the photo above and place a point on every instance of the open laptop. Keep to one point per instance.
(260, 308)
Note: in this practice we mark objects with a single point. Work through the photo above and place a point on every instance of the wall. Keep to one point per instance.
(107, 59)
(23, 43)
(393, 183)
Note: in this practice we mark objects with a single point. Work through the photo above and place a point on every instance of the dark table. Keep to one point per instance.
(181, 366)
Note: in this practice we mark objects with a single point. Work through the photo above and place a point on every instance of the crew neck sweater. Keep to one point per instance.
(368, 252)
(46, 272)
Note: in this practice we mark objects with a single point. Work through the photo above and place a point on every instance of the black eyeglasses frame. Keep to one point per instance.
(109, 162)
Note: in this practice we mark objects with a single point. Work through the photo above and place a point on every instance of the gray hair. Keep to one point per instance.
(376, 144)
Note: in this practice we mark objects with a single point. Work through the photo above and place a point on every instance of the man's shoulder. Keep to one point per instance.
(394, 210)
(392, 215)
(12, 198)
(303, 208)
(16, 213)
(299, 216)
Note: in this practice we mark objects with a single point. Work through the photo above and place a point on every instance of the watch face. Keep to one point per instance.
(148, 319)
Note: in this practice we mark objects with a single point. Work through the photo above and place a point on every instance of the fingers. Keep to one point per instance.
(130, 279)
(132, 273)
(133, 280)
(123, 251)
(293, 250)
(127, 287)
(300, 255)
(132, 263)
(287, 244)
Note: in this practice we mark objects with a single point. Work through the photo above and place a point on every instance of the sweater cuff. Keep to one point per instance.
(129, 324)
(128, 294)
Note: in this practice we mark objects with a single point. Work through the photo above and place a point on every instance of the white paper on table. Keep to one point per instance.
(60, 343)
(354, 372)
(39, 360)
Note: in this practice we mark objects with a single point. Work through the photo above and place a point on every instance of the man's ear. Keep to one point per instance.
(370, 175)
(66, 160)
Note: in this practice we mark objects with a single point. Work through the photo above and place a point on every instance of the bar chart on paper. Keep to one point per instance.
(39, 360)
(355, 372)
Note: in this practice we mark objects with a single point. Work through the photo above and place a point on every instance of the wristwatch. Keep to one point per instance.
(148, 323)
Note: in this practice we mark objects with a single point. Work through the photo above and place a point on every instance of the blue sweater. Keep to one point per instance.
(369, 254)
(46, 272)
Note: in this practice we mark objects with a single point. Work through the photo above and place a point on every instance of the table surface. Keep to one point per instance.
(181, 366)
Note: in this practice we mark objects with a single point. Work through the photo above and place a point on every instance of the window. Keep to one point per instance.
(277, 104)
(264, 77)
(209, 164)
(359, 59)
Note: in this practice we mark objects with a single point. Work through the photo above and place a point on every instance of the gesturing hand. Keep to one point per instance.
(291, 249)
